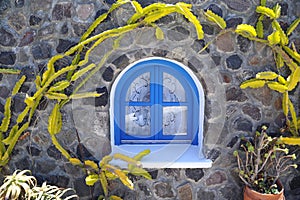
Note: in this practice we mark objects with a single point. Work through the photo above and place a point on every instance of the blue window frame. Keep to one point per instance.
(156, 102)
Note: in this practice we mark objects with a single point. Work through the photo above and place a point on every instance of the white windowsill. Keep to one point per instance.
(164, 156)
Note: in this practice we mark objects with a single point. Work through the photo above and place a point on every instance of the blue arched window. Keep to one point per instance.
(158, 102)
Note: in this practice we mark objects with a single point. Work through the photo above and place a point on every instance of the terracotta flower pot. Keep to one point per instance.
(250, 194)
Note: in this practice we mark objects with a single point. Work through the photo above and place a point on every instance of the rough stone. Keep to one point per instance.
(76, 171)
(19, 3)
(6, 38)
(256, 60)
(242, 124)
(18, 21)
(233, 141)
(225, 42)
(25, 88)
(1, 108)
(252, 111)
(216, 178)
(244, 75)
(233, 22)
(284, 25)
(194, 174)
(163, 190)
(50, 30)
(231, 193)
(263, 55)
(64, 29)
(296, 9)
(153, 173)
(34, 20)
(280, 120)
(146, 36)
(23, 163)
(108, 74)
(29, 72)
(208, 29)
(227, 78)
(27, 38)
(32, 150)
(61, 11)
(79, 28)
(103, 99)
(18, 103)
(63, 62)
(198, 45)
(121, 62)
(216, 59)
(4, 5)
(264, 95)
(60, 181)
(46, 30)
(173, 173)
(54, 153)
(284, 8)
(84, 11)
(37, 5)
(213, 154)
(83, 153)
(4, 91)
(240, 6)
(144, 2)
(134, 178)
(216, 9)
(295, 183)
(202, 194)
(208, 109)
(7, 58)
(235, 94)
(178, 33)
(243, 43)
(68, 138)
(1, 115)
(192, 66)
(122, 14)
(100, 12)
(234, 62)
(145, 189)
(41, 50)
(22, 56)
(159, 52)
(139, 55)
(64, 45)
(45, 166)
(185, 192)
(127, 194)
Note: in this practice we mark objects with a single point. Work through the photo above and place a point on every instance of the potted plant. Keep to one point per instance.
(261, 160)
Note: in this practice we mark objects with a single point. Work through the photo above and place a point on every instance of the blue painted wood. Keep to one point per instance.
(156, 68)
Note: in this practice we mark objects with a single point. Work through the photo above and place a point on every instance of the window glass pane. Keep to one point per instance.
(137, 120)
(139, 90)
(173, 90)
(175, 120)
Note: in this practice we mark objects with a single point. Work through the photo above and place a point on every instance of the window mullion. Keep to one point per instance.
(159, 101)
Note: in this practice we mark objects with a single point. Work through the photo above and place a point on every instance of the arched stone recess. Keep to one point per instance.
(179, 44)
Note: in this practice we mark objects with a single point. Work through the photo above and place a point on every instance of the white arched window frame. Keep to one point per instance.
(181, 148)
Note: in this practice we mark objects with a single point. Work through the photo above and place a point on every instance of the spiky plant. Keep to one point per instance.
(49, 192)
(21, 185)
(17, 185)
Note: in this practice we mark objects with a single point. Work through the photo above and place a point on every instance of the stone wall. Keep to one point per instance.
(31, 31)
